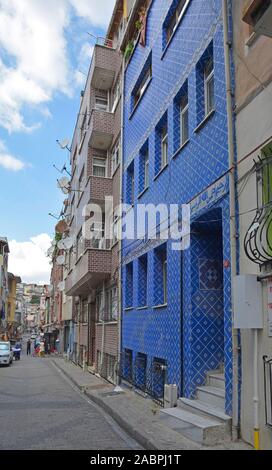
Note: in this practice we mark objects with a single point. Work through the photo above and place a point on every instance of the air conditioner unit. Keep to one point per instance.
(170, 396)
(259, 15)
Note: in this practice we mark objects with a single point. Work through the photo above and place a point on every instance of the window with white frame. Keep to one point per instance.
(82, 180)
(209, 86)
(146, 170)
(176, 17)
(100, 167)
(112, 303)
(100, 306)
(80, 245)
(116, 95)
(115, 229)
(164, 147)
(115, 157)
(101, 103)
(184, 120)
(143, 82)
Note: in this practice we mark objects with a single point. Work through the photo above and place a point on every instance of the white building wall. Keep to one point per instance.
(254, 127)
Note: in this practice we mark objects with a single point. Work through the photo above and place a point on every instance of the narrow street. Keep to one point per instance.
(39, 409)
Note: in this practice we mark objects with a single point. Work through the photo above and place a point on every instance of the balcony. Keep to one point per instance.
(100, 129)
(100, 188)
(92, 268)
(105, 63)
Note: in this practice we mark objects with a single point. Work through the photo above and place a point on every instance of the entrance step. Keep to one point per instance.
(212, 395)
(204, 430)
(204, 409)
(216, 379)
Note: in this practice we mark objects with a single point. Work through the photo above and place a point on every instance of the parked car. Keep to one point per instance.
(33, 336)
(6, 353)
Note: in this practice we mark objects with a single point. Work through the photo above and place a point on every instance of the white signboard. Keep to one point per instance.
(269, 306)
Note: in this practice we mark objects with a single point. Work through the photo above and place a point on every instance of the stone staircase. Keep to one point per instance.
(202, 420)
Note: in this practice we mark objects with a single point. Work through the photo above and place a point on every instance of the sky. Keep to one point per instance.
(45, 53)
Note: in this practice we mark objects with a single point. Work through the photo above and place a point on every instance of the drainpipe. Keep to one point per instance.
(256, 394)
(233, 220)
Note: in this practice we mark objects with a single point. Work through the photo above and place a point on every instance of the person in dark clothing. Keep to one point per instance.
(28, 347)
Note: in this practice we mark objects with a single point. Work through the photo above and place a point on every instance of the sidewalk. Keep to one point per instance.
(137, 415)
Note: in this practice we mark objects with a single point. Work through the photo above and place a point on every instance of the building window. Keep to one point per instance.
(205, 85)
(115, 229)
(99, 167)
(142, 281)
(184, 120)
(129, 286)
(142, 83)
(116, 95)
(209, 87)
(101, 103)
(160, 275)
(174, 17)
(100, 306)
(115, 157)
(146, 170)
(130, 188)
(81, 182)
(80, 245)
(164, 147)
(112, 304)
(161, 144)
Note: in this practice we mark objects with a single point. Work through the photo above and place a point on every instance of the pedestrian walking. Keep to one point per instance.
(28, 347)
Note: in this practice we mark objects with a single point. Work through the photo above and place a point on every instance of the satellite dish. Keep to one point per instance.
(64, 143)
(61, 286)
(63, 184)
(60, 260)
(61, 245)
(68, 243)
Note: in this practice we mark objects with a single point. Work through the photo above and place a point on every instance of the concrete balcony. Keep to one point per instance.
(105, 64)
(93, 267)
(100, 129)
(99, 188)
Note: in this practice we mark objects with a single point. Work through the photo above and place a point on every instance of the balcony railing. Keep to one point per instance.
(258, 239)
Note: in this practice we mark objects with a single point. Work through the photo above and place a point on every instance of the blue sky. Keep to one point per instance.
(44, 47)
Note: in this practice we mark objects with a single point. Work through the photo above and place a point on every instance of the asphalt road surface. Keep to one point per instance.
(40, 409)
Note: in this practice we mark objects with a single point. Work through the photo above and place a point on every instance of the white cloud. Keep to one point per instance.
(34, 61)
(8, 161)
(29, 261)
(96, 12)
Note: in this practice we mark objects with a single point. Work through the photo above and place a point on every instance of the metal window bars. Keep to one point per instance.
(258, 238)
(148, 378)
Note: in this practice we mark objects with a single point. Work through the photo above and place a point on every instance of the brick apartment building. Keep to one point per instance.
(93, 265)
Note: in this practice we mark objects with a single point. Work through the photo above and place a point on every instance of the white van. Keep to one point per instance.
(6, 353)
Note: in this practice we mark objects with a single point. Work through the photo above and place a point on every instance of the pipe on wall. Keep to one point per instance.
(233, 215)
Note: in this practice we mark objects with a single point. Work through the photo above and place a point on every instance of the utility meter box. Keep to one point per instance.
(170, 396)
(247, 298)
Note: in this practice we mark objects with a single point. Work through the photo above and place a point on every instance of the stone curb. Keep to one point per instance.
(136, 434)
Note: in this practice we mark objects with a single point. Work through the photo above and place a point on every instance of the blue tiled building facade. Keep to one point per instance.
(176, 313)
